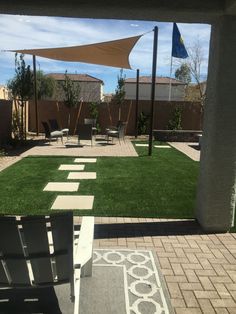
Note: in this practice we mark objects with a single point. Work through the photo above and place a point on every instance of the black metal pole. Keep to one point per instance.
(154, 66)
(35, 96)
(136, 106)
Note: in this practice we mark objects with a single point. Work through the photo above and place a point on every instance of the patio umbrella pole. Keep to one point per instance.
(35, 96)
(154, 66)
(137, 101)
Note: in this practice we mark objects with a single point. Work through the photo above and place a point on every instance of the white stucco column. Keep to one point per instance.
(217, 180)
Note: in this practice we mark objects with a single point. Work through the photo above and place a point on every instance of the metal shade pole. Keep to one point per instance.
(35, 96)
(136, 105)
(154, 66)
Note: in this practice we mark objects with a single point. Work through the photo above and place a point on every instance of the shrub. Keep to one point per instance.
(175, 121)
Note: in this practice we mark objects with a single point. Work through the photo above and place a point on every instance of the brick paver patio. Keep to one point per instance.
(199, 269)
(99, 148)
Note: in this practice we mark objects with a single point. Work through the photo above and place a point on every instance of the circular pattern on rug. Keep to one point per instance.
(143, 288)
(114, 257)
(137, 258)
(140, 272)
(147, 306)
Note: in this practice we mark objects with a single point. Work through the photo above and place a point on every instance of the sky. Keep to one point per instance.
(26, 32)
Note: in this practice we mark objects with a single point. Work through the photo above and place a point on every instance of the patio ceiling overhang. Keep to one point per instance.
(110, 53)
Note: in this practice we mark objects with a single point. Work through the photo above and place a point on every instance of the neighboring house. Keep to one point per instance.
(91, 88)
(108, 97)
(5, 93)
(161, 89)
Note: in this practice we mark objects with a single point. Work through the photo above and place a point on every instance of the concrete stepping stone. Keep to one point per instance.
(62, 186)
(73, 202)
(142, 145)
(71, 167)
(85, 160)
(162, 146)
(82, 175)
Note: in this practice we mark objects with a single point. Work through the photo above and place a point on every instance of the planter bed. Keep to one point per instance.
(177, 135)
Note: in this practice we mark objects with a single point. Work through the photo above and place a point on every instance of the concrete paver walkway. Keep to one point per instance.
(82, 175)
(73, 202)
(186, 149)
(62, 187)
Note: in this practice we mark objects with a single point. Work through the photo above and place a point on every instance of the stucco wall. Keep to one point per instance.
(161, 91)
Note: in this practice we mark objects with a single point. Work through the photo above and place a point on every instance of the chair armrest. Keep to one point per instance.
(83, 253)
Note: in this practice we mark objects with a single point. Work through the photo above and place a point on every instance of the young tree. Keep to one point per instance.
(22, 88)
(195, 63)
(45, 85)
(72, 94)
(183, 73)
(119, 96)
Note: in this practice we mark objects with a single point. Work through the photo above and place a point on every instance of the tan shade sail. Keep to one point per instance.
(111, 53)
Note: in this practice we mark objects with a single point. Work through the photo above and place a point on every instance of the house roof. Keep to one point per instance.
(159, 80)
(75, 77)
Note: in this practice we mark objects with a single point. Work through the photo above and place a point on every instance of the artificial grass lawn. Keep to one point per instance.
(163, 185)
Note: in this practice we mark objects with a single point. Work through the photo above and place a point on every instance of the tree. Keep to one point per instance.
(22, 89)
(71, 97)
(119, 96)
(183, 73)
(45, 85)
(196, 59)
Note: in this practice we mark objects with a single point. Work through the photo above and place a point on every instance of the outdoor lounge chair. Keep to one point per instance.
(119, 132)
(43, 252)
(112, 127)
(50, 135)
(85, 132)
(55, 127)
(93, 122)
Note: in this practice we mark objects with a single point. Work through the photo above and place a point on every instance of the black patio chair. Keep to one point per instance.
(50, 135)
(93, 122)
(55, 127)
(119, 132)
(85, 132)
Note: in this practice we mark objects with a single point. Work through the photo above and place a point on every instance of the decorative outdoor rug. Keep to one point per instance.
(124, 282)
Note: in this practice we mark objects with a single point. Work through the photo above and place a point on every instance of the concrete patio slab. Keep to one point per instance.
(71, 167)
(141, 145)
(62, 186)
(82, 175)
(86, 160)
(73, 202)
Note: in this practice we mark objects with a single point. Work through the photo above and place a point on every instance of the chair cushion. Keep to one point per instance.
(56, 134)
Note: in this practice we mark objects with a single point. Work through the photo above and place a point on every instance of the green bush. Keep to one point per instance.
(143, 123)
(175, 121)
